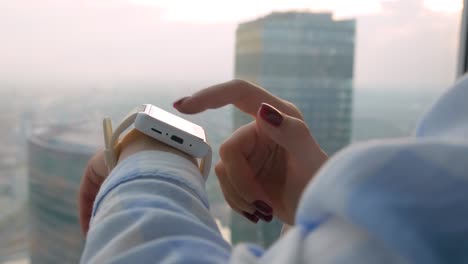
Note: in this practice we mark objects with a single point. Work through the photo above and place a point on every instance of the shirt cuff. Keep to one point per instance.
(159, 165)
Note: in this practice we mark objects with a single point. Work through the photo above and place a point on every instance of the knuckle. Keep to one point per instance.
(242, 85)
(238, 82)
(294, 110)
(225, 150)
(219, 170)
(294, 107)
(222, 151)
(299, 128)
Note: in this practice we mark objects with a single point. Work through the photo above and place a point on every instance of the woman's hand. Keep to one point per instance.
(266, 164)
(96, 171)
(93, 177)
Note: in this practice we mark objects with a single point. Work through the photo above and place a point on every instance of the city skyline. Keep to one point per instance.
(399, 43)
(151, 51)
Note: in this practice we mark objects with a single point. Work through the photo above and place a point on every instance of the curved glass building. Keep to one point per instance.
(57, 156)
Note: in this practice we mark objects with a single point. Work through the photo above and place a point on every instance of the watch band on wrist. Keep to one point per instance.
(111, 138)
(112, 143)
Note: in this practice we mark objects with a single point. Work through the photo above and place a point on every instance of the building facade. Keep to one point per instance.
(307, 59)
(57, 157)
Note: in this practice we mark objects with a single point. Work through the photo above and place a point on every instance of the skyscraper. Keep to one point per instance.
(57, 157)
(307, 59)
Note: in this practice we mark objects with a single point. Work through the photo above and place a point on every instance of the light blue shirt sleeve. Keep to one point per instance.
(391, 201)
(153, 209)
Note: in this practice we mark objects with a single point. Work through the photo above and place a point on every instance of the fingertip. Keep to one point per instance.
(179, 102)
(186, 106)
(253, 218)
(263, 207)
(270, 114)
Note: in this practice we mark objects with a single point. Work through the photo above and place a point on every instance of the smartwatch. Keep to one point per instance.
(162, 126)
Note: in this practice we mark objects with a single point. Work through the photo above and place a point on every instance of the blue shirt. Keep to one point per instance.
(389, 201)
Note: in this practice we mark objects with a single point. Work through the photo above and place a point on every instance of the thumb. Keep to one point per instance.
(289, 132)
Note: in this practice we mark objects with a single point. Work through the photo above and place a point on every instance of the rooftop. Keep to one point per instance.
(73, 137)
(305, 17)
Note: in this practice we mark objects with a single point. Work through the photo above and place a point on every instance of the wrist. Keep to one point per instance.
(135, 142)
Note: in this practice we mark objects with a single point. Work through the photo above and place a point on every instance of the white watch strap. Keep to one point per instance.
(205, 164)
(111, 138)
(111, 142)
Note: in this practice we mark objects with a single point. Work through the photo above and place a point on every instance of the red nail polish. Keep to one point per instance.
(271, 115)
(266, 218)
(251, 217)
(179, 102)
(263, 207)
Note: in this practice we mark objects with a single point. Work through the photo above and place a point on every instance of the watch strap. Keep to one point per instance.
(205, 164)
(111, 138)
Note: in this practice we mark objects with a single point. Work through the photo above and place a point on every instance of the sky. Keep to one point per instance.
(400, 43)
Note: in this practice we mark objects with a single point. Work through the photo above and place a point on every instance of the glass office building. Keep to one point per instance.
(57, 157)
(307, 59)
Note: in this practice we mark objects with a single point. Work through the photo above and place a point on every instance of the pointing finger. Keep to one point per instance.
(242, 94)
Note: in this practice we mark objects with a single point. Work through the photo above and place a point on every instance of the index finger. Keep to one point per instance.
(244, 95)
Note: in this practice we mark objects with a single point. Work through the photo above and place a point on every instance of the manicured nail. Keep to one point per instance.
(263, 207)
(179, 102)
(266, 218)
(271, 115)
(251, 217)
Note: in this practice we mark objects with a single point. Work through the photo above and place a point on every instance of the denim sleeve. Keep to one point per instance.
(153, 208)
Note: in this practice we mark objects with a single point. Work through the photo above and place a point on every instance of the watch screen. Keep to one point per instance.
(176, 122)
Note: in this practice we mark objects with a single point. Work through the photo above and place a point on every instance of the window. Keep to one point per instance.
(358, 70)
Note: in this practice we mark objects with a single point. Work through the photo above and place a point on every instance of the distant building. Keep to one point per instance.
(307, 59)
(57, 157)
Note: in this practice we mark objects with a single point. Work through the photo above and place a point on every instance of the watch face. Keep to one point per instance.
(176, 121)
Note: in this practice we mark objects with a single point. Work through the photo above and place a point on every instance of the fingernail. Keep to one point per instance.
(251, 217)
(180, 101)
(263, 207)
(266, 218)
(271, 115)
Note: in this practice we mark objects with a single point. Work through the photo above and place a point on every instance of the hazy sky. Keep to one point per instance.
(400, 43)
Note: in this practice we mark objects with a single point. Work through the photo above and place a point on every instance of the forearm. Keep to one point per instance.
(152, 206)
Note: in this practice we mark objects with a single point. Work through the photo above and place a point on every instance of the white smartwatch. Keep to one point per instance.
(164, 127)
